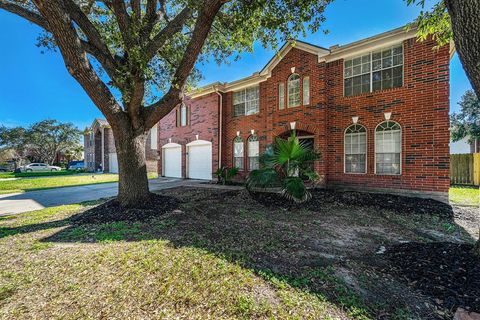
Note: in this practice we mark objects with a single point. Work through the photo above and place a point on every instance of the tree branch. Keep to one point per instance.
(75, 58)
(123, 20)
(24, 13)
(170, 29)
(98, 48)
(173, 97)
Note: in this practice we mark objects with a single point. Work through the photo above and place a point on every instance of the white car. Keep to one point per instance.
(39, 167)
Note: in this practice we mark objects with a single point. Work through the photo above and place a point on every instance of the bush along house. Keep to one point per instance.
(100, 152)
(377, 110)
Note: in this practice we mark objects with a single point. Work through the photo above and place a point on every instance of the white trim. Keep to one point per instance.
(360, 47)
(375, 150)
(370, 44)
(345, 153)
(198, 143)
(171, 145)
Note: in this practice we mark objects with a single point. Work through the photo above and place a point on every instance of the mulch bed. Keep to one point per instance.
(398, 204)
(447, 272)
(111, 211)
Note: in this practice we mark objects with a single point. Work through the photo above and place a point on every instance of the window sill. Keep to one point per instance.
(245, 115)
(374, 92)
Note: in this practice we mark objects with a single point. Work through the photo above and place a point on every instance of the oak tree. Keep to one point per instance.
(136, 58)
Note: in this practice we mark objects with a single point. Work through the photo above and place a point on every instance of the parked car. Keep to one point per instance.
(7, 166)
(39, 167)
(76, 165)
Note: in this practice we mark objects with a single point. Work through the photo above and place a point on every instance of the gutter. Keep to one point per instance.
(220, 122)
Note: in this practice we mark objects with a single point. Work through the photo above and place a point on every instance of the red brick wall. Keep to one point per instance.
(203, 121)
(421, 107)
(271, 121)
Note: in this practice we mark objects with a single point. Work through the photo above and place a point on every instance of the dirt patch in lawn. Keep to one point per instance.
(112, 211)
(339, 248)
(331, 246)
(448, 272)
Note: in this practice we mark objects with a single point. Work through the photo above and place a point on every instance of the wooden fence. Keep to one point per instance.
(465, 169)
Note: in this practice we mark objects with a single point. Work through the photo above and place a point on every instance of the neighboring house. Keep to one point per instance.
(100, 153)
(464, 146)
(377, 110)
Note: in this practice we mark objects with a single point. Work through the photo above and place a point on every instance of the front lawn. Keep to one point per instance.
(6, 175)
(31, 184)
(465, 195)
(218, 255)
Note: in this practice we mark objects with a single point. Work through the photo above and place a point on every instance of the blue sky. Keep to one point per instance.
(36, 86)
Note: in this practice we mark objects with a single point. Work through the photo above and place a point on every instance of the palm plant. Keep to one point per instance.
(287, 164)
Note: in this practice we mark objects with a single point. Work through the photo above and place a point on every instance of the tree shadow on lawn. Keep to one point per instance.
(329, 248)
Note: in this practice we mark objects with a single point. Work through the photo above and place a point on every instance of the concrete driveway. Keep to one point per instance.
(36, 200)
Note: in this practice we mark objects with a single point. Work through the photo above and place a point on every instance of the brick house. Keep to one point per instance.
(377, 110)
(99, 148)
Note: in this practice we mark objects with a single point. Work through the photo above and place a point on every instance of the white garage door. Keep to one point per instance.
(112, 163)
(200, 160)
(172, 160)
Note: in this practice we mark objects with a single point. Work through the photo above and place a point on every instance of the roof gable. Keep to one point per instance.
(285, 49)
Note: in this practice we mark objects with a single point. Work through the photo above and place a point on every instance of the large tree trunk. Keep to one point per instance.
(465, 16)
(133, 182)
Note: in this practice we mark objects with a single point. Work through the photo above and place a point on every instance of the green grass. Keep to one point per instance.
(4, 175)
(118, 271)
(465, 195)
(31, 184)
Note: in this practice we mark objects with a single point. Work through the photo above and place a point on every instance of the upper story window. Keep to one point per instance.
(182, 115)
(306, 91)
(378, 70)
(356, 149)
(246, 102)
(281, 96)
(293, 86)
(388, 148)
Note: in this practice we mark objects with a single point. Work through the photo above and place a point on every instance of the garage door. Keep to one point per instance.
(172, 160)
(200, 160)
(112, 163)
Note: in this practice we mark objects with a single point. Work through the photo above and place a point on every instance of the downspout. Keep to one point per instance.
(220, 122)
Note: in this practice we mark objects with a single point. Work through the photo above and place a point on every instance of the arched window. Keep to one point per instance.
(253, 152)
(293, 85)
(238, 153)
(356, 149)
(388, 148)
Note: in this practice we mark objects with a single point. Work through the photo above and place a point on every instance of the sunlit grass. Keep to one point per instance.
(30, 184)
(465, 195)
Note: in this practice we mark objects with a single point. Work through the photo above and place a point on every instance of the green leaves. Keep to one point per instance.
(435, 23)
(466, 123)
(288, 164)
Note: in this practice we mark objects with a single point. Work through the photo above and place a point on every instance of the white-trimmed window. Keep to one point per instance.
(238, 153)
(246, 101)
(306, 91)
(281, 96)
(388, 148)
(356, 149)
(293, 87)
(374, 71)
(253, 152)
(182, 115)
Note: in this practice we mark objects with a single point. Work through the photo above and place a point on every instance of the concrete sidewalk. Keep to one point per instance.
(35, 200)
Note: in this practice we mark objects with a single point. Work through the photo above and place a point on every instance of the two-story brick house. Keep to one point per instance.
(377, 110)
(100, 152)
